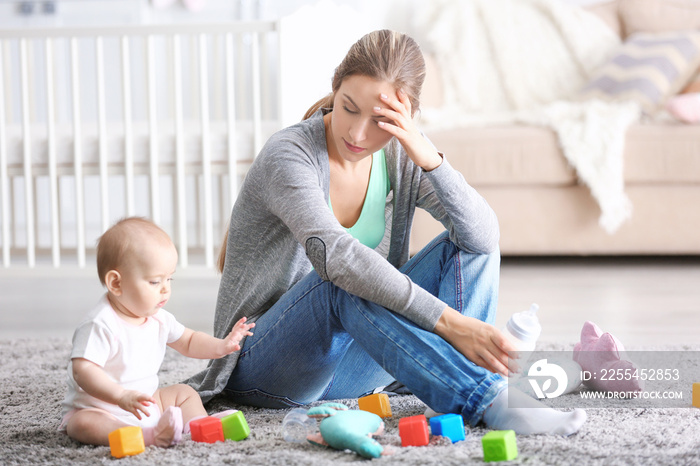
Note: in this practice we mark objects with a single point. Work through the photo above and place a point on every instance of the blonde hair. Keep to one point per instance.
(383, 55)
(116, 245)
(221, 261)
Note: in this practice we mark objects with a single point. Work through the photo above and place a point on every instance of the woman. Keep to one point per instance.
(317, 256)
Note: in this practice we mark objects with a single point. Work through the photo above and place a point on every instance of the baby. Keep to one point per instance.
(119, 347)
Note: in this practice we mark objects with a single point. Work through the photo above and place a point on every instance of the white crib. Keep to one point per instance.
(101, 123)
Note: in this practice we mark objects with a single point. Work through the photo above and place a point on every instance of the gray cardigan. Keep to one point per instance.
(281, 227)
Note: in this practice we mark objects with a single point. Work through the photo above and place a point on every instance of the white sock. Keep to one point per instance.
(531, 416)
(431, 413)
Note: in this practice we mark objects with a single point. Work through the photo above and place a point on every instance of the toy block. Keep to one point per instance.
(235, 426)
(207, 429)
(414, 431)
(696, 395)
(448, 425)
(499, 445)
(377, 403)
(126, 441)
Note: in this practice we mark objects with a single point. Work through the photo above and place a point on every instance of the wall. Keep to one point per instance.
(317, 41)
(22, 13)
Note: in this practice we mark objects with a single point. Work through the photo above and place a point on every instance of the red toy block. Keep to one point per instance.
(414, 431)
(377, 403)
(126, 441)
(207, 429)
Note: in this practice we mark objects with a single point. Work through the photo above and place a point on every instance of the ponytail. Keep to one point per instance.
(222, 253)
(325, 102)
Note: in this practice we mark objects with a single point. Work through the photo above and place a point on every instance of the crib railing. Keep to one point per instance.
(101, 123)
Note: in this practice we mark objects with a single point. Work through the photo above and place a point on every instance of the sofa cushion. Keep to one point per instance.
(505, 155)
(659, 15)
(648, 68)
(554, 220)
(520, 155)
(662, 153)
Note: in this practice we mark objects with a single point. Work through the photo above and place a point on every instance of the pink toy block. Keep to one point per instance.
(414, 431)
(377, 403)
(207, 429)
(235, 426)
(126, 441)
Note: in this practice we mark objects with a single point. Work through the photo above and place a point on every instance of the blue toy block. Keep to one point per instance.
(448, 425)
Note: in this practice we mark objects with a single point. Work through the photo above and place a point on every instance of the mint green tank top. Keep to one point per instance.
(370, 226)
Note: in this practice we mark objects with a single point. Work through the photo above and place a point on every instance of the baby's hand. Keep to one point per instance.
(240, 330)
(135, 403)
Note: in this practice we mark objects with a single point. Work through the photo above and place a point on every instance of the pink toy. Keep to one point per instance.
(600, 355)
(685, 107)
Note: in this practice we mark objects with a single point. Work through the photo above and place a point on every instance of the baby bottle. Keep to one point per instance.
(297, 425)
(523, 329)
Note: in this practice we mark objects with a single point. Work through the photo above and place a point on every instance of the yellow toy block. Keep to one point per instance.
(696, 395)
(377, 403)
(126, 441)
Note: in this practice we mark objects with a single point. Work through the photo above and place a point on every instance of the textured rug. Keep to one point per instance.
(32, 379)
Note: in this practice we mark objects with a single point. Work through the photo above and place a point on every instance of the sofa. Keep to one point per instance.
(543, 208)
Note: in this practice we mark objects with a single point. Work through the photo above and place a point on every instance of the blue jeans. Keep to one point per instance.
(319, 342)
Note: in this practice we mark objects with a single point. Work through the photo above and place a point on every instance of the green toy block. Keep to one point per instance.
(499, 445)
(235, 426)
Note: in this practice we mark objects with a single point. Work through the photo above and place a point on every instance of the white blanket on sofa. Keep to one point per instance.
(525, 60)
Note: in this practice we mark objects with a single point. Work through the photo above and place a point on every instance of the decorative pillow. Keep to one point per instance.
(659, 15)
(648, 68)
(601, 353)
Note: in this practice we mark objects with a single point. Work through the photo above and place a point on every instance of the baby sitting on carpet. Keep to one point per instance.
(119, 347)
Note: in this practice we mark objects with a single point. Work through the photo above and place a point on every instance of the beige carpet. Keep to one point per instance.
(32, 387)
